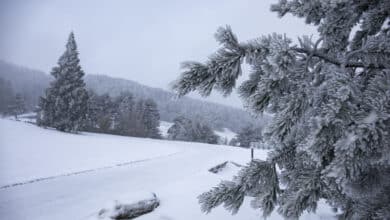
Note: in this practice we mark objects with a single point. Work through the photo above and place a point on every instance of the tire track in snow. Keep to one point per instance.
(87, 171)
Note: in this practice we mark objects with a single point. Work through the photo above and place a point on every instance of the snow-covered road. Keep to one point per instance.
(175, 171)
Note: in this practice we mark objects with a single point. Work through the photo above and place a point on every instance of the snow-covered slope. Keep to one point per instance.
(45, 174)
(29, 152)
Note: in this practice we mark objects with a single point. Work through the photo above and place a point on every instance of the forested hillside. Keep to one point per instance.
(31, 84)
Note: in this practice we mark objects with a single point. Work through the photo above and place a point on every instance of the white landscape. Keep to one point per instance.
(73, 176)
(195, 110)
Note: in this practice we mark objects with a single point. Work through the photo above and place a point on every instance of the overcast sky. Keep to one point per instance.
(143, 40)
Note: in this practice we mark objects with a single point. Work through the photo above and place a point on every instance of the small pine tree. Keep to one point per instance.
(18, 107)
(65, 104)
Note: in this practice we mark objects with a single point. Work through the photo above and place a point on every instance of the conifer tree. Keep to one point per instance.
(151, 119)
(233, 142)
(248, 135)
(6, 95)
(18, 106)
(139, 125)
(186, 130)
(125, 105)
(106, 113)
(204, 134)
(64, 105)
(92, 118)
(330, 134)
(182, 129)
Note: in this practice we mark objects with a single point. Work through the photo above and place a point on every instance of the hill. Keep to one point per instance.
(31, 84)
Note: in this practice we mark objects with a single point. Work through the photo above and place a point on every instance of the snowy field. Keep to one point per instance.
(45, 174)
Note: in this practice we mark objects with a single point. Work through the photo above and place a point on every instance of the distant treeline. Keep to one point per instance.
(123, 115)
(31, 84)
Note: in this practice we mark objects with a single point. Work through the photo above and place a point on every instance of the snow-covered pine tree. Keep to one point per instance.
(106, 113)
(151, 119)
(139, 125)
(248, 135)
(204, 134)
(233, 142)
(125, 105)
(18, 106)
(64, 105)
(186, 130)
(182, 129)
(125, 102)
(330, 134)
(92, 118)
(6, 95)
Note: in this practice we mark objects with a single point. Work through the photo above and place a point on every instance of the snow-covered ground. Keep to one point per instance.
(45, 174)
(225, 133)
(164, 126)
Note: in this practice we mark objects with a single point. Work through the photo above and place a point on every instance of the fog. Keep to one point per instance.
(144, 41)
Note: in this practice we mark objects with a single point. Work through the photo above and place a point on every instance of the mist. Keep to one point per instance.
(144, 41)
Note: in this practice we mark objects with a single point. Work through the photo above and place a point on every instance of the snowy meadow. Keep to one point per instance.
(74, 176)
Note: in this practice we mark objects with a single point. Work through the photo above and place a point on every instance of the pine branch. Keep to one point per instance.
(335, 61)
(258, 179)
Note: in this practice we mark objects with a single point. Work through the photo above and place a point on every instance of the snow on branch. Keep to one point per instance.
(253, 180)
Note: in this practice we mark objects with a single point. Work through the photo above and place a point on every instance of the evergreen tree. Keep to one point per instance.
(6, 95)
(18, 106)
(185, 130)
(93, 112)
(330, 133)
(233, 142)
(248, 135)
(106, 113)
(151, 119)
(125, 103)
(126, 114)
(64, 105)
(182, 129)
(139, 126)
(204, 134)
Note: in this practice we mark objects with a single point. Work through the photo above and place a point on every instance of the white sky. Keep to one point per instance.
(144, 41)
